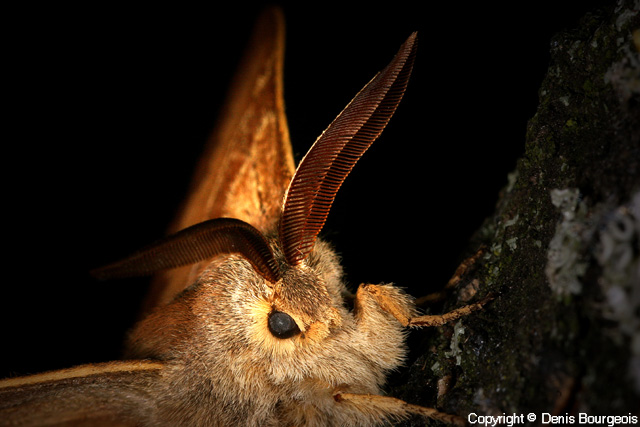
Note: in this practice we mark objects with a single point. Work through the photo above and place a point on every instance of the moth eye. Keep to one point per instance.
(281, 325)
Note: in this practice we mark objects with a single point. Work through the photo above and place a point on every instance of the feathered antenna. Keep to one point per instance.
(199, 242)
(333, 155)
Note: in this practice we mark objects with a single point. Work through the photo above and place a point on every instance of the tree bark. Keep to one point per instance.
(563, 337)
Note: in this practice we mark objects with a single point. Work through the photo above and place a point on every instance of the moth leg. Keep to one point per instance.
(462, 269)
(396, 407)
(398, 309)
(388, 298)
(441, 319)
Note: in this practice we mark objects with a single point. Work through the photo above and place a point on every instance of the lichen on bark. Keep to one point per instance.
(563, 252)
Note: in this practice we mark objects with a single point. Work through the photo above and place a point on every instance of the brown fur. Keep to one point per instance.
(250, 375)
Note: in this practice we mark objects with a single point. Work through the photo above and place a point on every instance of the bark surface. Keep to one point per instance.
(563, 337)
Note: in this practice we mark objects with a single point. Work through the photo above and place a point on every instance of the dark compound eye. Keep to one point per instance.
(282, 325)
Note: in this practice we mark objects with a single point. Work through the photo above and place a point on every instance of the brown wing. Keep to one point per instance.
(113, 394)
(248, 162)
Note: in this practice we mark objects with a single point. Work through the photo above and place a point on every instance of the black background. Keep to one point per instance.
(110, 107)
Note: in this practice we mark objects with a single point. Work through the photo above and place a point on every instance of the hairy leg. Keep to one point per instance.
(391, 306)
(398, 408)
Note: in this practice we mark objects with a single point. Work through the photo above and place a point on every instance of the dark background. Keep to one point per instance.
(110, 108)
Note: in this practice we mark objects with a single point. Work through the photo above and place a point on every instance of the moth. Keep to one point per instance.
(248, 320)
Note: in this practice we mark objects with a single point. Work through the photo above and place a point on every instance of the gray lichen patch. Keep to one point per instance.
(458, 331)
(566, 258)
(607, 238)
(618, 255)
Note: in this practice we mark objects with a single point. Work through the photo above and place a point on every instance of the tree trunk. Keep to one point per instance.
(563, 336)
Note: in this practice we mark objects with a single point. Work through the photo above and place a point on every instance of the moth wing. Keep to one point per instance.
(248, 160)
(112, 393)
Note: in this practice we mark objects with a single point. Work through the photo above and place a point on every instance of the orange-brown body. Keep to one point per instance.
(253, 378)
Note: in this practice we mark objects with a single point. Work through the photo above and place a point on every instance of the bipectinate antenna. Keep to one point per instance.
(333, 155)
(197, 243)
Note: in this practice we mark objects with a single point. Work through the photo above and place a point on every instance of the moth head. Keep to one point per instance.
(307, 302)
(304, 304)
